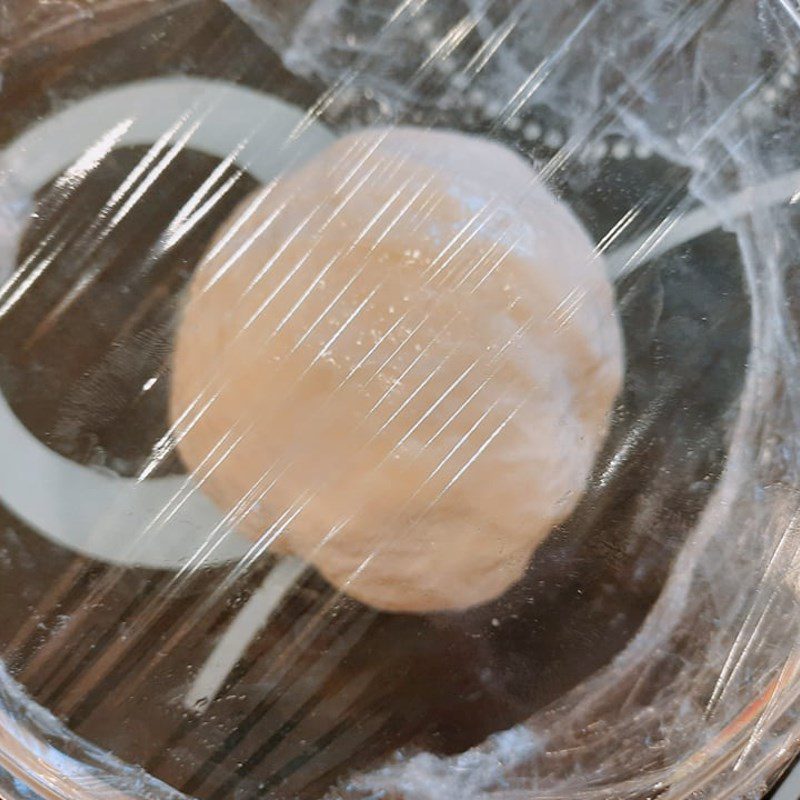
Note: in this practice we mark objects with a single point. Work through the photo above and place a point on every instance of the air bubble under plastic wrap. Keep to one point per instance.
(154, 644)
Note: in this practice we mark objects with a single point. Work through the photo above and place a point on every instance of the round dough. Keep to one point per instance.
(398, 363)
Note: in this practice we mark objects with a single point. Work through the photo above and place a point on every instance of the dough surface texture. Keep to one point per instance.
(398, 363)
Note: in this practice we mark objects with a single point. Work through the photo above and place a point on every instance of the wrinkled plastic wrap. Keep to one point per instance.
(650, 650)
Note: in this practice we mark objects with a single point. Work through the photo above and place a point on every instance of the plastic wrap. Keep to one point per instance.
(150, 650)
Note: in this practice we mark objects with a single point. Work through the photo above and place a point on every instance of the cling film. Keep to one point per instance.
(398, 399)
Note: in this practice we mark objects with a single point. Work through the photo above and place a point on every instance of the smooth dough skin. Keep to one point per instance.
(398, 363)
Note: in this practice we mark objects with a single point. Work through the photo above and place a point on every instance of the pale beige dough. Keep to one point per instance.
(398, 363)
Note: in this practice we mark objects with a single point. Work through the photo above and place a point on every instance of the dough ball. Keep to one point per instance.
(398, 363)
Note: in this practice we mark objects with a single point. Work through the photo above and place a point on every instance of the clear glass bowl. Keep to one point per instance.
(649, 650)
